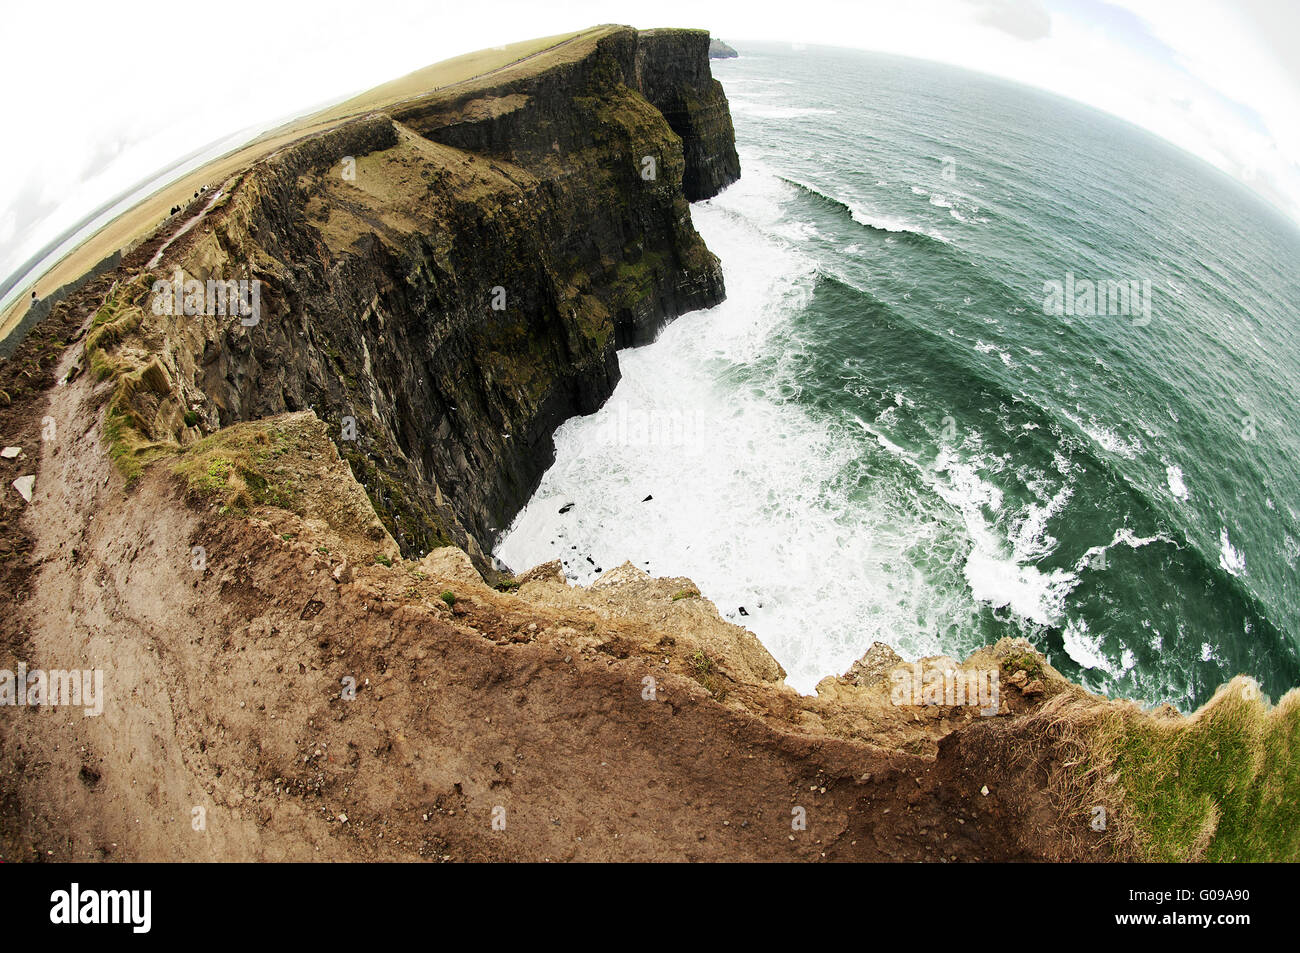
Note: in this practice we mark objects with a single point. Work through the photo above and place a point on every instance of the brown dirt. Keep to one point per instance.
(223, 693)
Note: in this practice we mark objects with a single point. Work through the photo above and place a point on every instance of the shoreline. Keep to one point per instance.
(298, 630)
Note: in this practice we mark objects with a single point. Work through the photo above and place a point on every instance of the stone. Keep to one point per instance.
(874, 666)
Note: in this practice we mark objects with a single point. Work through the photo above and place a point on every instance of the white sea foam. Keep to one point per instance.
(748, 487)
(1231, 559)
(890, 223)
(1104, 436)
(1003, 356)
(1026, 590)
(1084, 647)
(1174, 476)
(1290, 549)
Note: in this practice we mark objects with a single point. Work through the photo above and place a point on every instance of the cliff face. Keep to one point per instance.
(672, 69)
(454, 275)
(383, 244)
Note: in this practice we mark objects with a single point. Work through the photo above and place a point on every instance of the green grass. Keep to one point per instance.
(448, 597)
(126, 447)
(233, 467)
(1030, 664)
(120, 315)
(705, 671)
(1223, 785)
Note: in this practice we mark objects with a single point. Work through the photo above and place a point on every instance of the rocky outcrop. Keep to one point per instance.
(448, 281)
(720, 51)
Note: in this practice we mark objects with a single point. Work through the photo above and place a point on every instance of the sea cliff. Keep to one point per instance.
(447, 281)
(269, 531)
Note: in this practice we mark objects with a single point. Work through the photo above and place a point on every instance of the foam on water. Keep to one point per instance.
(889, 223)
(1231, 559)
(1174, 476)
(751, 494)
(747, 487)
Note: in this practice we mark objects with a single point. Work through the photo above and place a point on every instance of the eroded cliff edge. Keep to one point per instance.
(230, 575)
(453, 274)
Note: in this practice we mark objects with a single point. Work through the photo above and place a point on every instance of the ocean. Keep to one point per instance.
(910, 422)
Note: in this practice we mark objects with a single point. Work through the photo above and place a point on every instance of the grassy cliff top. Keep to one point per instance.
(510, 61)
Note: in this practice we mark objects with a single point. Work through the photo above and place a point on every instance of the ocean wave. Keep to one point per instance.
(1177, 487)
(1231, 559)
(875, 221)
(762, 111)
(886, 223)
(1088, 650)
(1104, 436)
(1003, 356)
(996, 577)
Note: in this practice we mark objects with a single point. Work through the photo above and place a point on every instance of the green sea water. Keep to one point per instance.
(898, 429)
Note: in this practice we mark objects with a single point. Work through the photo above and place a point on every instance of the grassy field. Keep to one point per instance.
(140, 220)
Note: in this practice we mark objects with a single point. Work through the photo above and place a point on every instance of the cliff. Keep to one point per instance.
(269, 537)
(720, 51)
(454, 274)
(320, 698)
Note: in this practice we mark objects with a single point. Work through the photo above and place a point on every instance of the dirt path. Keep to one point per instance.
(223, 703)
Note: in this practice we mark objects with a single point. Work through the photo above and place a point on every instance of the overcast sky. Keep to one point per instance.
(97, 96)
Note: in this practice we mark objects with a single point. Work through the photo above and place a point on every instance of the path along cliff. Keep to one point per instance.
(268, 527)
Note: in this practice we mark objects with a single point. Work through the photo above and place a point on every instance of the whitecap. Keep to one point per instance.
(1174, 476)
(1231, 559)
